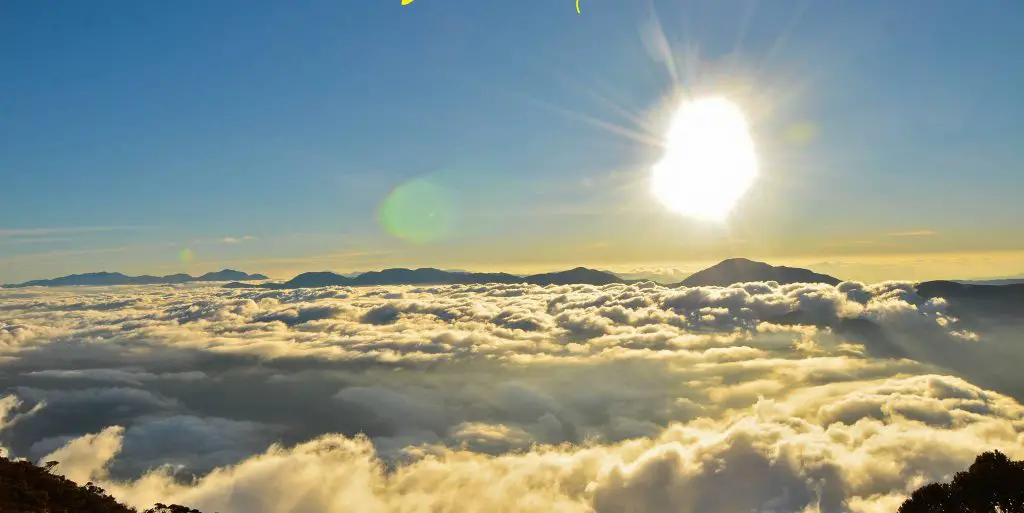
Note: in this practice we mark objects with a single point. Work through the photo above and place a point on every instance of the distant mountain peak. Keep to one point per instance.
(230, 275)
(576, 275)
(743, 260)
(315, 279)
(742, 270)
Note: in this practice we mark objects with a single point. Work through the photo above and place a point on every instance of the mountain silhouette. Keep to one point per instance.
(108, 278)
(573, 276)
(432, 276)
(182, 278)
(227, 275)
(1002, 299)
(316, 279)
(725, 273)
(971, 301)
(952, 289)
(742, 270)
(1008, 280)
(427, 275)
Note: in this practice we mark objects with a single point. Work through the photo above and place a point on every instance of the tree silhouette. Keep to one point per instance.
(173, 508)
(26, 488)
(993, 484)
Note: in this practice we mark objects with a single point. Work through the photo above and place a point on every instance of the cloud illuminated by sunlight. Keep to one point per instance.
(461, 398)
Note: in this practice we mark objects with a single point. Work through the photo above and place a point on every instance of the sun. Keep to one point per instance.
(709, 161)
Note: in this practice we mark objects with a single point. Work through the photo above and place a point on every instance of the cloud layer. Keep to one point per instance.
(505, 397)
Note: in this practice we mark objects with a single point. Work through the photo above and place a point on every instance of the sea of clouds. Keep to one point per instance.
(507, 398)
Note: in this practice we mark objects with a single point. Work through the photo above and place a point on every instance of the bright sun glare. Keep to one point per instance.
(709, 160)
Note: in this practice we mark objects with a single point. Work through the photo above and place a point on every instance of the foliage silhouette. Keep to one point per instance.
(993, 483)
(27, 488)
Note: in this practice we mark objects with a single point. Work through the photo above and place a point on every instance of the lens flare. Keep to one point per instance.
(801, 133)
(709, 161)
(418, 211)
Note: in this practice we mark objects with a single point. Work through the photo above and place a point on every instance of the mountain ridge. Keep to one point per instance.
(433, 276)
(1008, 280)
(722, 274)
(106, 278)
(740, 270)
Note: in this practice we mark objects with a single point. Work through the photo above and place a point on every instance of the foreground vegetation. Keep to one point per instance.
(27, 488)
(993, 483)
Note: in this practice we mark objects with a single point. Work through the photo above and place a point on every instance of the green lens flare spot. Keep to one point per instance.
(186, 255)
(802, 133)
(417, 211)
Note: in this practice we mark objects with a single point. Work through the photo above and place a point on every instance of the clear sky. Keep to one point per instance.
(187, 136)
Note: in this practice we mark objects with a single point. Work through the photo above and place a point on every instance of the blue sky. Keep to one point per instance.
(267, 135)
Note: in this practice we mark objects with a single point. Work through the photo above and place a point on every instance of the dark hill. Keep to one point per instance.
(228, 275)
(26, 488)
(491, 278)
(243, 285)
(432, 276)
(101, 279)
(742, 270)
(952, 289)
(401, 276)
(182, 278)
(1000, 281)
(971, 301)
(574, 276)
(315, 279)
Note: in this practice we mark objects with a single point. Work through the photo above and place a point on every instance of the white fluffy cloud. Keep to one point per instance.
(505, 397)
